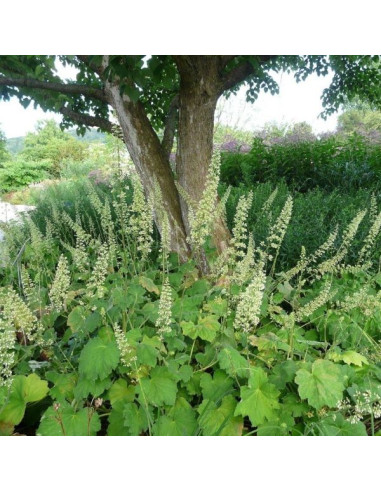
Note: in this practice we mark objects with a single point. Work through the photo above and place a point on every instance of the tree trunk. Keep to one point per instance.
(199, 92)
(151, 163)
(200, 88)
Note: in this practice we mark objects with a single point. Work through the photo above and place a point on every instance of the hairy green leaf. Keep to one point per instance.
(322, 385)
(159, 388)
(98, 359)
(259, 399)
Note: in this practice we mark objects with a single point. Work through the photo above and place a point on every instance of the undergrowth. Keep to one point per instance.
(104, 332)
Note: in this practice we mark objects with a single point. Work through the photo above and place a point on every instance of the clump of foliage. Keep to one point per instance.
(18, 174)
(101, 336)
(4, 154)
(359, 117)
(305, 161)
(49, 143)
(306, 228)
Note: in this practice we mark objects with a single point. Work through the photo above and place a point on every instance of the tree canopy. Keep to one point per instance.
(155, 81)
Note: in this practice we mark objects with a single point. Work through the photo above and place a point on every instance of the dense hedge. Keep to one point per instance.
(329, 163)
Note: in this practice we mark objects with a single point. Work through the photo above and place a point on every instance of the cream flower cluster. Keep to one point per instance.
(366, 403)
(157, 204)
(141, 220)
(244, 269)
(249, 304)
(373, 207)
(99, 272)
(370, 239)
(28, 286)
(82, 240)
(121, 210)
(237, 257)
(240, 225)
(7, 354)
(333, 264)
(164, 320)
(268, 203)
(18, 314)
(60, 286)
(279, 228)
(201, 221)
(324, 248)
(313, 305)
(127, 353)
(361, 299)
(108, 227)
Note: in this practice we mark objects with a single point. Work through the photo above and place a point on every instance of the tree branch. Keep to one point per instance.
(170, 126)
(241, 72)
(84, 90)
(225, 59)
(98, 69)
(86, 119)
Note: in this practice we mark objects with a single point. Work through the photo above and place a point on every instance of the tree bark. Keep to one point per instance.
(199, 91)
(150, 161)
(200, 87)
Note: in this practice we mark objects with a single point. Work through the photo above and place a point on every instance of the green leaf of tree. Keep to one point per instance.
(322, 385)
(352, 357)
(98, 359)
(147, 351)
(259, 399)
(217, 306)
(116, 425)
(282, 426)
(76, 318)
(283, 373)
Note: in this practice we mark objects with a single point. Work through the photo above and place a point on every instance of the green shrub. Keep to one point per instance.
(52, 144)
(18, 174)
(328, 163)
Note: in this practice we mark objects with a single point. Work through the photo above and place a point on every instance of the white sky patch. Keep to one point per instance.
(295, 103)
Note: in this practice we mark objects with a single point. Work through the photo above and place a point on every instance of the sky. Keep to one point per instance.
(296, 102)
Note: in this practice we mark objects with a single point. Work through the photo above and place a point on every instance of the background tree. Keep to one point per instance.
(175, 95)
(50, 143)
(4, 154)
(359, 117)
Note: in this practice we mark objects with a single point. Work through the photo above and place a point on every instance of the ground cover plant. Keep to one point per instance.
(103, 331)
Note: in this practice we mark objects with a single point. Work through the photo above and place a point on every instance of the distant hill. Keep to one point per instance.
(16, 144)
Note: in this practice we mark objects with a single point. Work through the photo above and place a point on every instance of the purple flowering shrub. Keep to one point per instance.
(98, 177)
(304, 160)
